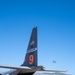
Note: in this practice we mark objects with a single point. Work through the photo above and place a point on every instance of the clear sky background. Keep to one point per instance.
(55, 20)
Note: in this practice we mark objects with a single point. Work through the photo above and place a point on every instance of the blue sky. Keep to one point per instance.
(56, 32)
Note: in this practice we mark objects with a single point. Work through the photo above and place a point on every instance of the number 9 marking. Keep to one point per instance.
(31, 59)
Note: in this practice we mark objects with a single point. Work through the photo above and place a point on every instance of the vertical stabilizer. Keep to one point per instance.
(31, 55)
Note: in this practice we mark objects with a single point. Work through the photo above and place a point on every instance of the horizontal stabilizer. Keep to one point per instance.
(14, 67)
(55, 70)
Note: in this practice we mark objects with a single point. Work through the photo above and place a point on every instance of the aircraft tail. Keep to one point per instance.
(31, 55)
